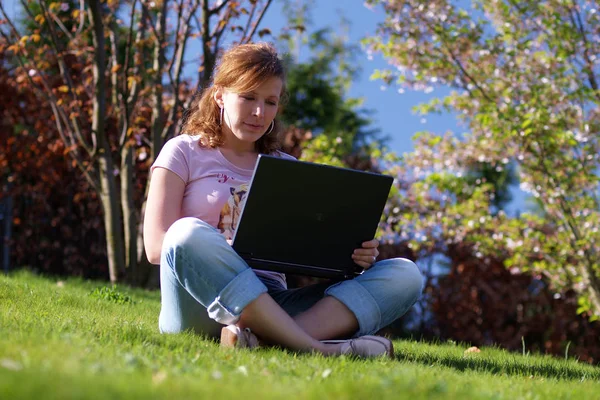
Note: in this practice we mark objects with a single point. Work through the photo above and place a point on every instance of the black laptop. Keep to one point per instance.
(305, 218)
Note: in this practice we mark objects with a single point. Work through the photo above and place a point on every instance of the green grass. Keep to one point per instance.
(80, 339)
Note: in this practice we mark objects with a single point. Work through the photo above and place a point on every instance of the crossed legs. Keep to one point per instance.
(274, 325)
(201, 274)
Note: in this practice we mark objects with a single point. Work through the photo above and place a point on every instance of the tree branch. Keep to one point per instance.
(59, 23)
(90, 148)
(93, 181)
(179, 57)
(217, 9)
(99, 69)
(128, 46)
(442, 34)
(28, 11)
(114, 63)
(260, 17)
(157, 119)
(81, 16)
(129, 95)
(177, 28)
(159, 33)
(587, 269)
(588, 69)
(250, 16)
(219, 33)
(521, 11)
(209, 59)
(137, 61)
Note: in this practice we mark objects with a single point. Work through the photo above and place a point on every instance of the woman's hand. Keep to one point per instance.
(366, 256)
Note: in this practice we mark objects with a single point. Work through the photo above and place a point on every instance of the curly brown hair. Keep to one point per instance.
(242, 68)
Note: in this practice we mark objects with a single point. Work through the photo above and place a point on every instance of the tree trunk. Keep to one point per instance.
(157, 119)
(593, 287)
(6, 237)
(112, 218)
(128, 207)
(144, 271)
(109, 195)
(147, 275)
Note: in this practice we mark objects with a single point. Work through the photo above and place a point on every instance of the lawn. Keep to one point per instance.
(75, 339)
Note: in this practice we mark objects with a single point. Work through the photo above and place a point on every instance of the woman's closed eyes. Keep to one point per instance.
(252, 98)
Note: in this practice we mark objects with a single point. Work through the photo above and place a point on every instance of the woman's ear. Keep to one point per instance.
(218, 96)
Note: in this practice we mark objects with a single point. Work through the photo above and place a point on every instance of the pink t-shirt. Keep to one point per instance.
(215, 189)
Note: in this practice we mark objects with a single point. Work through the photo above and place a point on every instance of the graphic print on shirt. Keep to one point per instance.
(230, 213)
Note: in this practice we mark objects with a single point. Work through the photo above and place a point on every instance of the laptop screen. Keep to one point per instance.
(309, 214)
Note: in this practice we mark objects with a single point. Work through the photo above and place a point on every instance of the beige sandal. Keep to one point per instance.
(234, 336)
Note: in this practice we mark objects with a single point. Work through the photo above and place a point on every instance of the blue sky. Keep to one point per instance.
(393, 113)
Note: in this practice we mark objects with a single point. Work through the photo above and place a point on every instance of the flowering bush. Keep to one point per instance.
(523, 79)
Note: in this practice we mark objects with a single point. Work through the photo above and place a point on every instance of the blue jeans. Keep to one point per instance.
(205, 284)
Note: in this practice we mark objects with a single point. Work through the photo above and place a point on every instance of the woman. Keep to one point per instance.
(196, 191)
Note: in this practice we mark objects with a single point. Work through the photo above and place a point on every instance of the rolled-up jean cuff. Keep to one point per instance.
(229, 304)
(362, 304)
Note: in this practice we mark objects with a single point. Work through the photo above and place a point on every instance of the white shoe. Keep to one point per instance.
(365, 346)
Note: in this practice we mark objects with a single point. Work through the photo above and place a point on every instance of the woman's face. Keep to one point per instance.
(248, 115)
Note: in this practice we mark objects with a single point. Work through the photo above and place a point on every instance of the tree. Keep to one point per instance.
(110, 105)
(332, 127)
(524, 79)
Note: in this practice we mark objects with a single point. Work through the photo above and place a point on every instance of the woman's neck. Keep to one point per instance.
(240, 150)
(242, 158)
(237, 146)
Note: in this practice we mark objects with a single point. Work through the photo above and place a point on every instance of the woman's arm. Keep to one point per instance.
(163, 207)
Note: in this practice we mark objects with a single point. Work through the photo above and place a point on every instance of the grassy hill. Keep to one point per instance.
(75, 339)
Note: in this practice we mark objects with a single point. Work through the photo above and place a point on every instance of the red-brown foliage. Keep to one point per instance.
(57, 220)
(482, 303)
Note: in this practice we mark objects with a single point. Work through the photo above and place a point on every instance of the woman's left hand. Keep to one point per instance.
(366, 256)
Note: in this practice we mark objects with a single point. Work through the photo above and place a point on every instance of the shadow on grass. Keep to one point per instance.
(509, 366)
